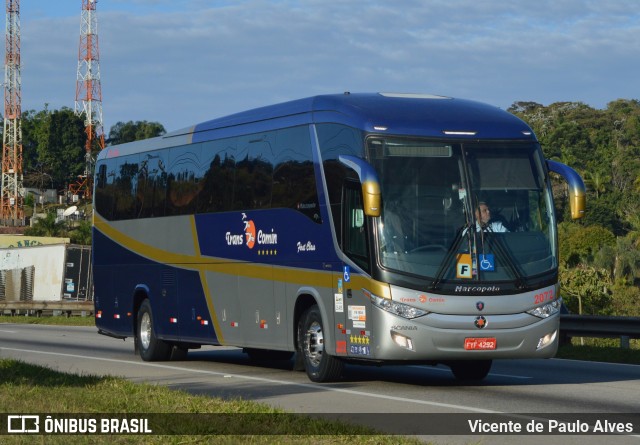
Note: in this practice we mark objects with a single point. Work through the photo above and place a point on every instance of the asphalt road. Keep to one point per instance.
(517, 386)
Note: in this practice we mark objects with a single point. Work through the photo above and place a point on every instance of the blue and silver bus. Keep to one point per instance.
(335, 229)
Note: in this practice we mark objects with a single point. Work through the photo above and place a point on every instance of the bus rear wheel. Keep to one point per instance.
(470, 369)
(150, 347)
(319, 365)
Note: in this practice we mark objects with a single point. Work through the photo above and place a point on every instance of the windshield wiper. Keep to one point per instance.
(462, 231)
(506, 256)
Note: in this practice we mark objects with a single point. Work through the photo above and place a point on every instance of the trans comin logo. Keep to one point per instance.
(251, 236)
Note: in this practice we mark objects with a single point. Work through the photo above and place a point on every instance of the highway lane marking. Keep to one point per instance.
(266, 380)
(8, 332)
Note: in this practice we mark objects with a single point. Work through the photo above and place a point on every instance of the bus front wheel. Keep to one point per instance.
(319, 365)
(151, 348)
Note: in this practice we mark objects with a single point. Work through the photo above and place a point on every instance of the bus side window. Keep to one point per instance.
(355, 229)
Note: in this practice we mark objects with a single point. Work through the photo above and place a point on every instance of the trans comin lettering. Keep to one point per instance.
(263, 238)
(480, 289)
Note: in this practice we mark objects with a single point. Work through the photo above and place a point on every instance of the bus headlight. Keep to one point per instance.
(401, 309)
(547, 310)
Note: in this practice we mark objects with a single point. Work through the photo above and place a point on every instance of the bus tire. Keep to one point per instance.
(470, 369)
(150, 347)
(319, 365)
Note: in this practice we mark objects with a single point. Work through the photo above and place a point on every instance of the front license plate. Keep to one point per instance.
(483, 343)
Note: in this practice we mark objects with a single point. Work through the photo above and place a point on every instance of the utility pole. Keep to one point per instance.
(89, 94)
(11, 207)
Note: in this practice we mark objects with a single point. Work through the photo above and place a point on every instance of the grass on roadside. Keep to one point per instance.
(57, 320)
(26, 388)
(600, 353)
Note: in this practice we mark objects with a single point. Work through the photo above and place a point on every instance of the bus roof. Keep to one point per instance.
(415, 114)
(383, 113)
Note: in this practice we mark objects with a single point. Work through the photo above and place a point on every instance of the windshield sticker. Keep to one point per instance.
(463, 266)
(487, 263)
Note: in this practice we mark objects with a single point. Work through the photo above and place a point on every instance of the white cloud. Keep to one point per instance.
(203, 59)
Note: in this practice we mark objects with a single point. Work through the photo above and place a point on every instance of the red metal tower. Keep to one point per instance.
(89, 93)
(11, 208)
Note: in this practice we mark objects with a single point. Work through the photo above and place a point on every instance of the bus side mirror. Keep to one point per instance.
(369, 180)
(577, 191)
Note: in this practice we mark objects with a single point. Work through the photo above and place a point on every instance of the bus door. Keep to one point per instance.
(355, 245)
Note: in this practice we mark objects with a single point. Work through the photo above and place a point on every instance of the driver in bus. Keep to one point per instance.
(484, 222)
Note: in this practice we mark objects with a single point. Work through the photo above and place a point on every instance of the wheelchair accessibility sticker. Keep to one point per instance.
(487, 262)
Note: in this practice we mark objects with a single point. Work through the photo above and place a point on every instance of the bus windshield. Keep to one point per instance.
(463, 211)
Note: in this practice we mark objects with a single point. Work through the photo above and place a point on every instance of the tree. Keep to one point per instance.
(53, 145)
(586, 289)
(123, 132)
(81, 234)
(47, 226)
(579, 245)
(597, 181)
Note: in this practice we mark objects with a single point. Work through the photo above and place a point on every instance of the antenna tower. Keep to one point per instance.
(11, 210)
(89, 93)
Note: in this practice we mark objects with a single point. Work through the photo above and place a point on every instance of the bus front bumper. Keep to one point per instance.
(438, 337)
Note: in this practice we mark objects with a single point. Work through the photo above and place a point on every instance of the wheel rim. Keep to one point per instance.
(145, 330)
(314, 343)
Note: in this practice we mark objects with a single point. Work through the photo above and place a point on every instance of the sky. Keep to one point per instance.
(181, 62)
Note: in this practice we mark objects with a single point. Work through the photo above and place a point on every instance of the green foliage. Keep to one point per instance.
(604, 146)
(81, 233)
(580, 244)
(53, 145)
(586, 290)
(123, 132)
(626, 300)
(47, 226)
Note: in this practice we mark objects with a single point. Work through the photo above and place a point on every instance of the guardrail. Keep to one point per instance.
(598, 326)
(37, 307)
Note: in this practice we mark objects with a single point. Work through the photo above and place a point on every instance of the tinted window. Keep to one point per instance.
(336, 140)
(152, 184)
(218, 176)
(259, 171)
(184, 180)
(294, 179)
